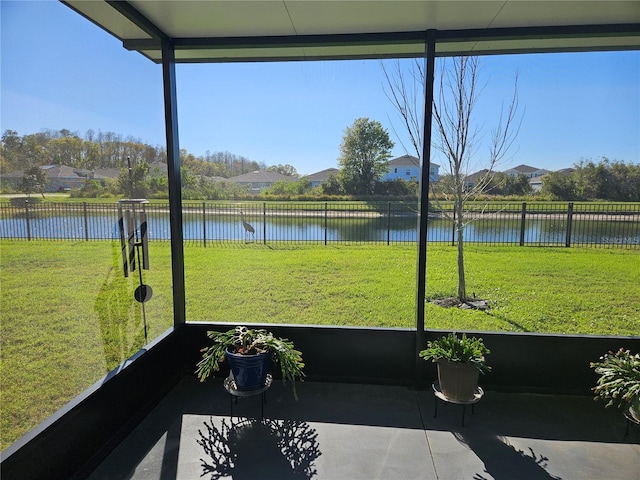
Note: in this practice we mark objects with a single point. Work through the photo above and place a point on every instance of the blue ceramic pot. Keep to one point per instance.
(249, 371)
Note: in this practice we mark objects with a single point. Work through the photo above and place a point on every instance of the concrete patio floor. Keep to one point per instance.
(351, 431)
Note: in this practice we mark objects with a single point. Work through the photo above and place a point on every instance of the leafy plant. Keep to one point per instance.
(246, 341)
(619, 381)
(458, 349)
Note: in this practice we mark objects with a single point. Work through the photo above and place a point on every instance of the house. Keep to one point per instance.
(407, 167)
(536, 182)
(103, 175)
(59, 178)
(260, 180)
(62, 177)
(470, 181)
(317, 178)
(11, 179)
(529, 172)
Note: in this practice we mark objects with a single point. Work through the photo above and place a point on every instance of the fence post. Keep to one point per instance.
(204, 224)
(388, 222)
(567, 242)
(86, 223)
(264, 223)
(326, 213)
(26, 217)
(523, 218)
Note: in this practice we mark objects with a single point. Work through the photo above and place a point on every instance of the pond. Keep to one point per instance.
(345, 227)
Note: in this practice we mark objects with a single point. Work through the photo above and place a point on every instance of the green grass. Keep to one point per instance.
(550, 290)
(68, 315)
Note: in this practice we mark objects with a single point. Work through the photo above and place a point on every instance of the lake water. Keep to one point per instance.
(346, 229)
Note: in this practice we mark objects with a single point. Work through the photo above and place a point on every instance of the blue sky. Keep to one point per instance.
(61, 71)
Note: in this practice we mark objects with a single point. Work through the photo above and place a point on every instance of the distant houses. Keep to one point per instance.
(534, 174)
(407, 167)
(527, 171)
(260, 179)
(59, 178)
(317, 178)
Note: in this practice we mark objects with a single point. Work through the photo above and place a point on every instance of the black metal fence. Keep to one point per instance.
(207, 223)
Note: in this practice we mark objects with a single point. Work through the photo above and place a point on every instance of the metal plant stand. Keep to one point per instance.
(231, 387)
(440, 396)
(630, 420)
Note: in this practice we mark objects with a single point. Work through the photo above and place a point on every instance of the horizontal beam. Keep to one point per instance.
(393, 38)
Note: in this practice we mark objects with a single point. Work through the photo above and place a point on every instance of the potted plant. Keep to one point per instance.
(460, 361)
(250, 353)
(619, 381)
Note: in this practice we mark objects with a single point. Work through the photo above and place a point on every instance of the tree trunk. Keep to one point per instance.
(462, 286)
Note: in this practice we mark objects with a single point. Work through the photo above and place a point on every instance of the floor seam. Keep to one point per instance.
(426, 436)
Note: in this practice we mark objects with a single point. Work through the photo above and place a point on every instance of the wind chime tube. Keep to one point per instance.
(144, 239)
(131, 232)
(123, 244)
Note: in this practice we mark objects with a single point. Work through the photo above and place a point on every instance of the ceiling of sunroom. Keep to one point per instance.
(263, 30)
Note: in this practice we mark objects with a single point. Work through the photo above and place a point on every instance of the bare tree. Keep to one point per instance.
(458, 134)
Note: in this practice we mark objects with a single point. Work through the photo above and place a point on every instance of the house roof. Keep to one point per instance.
(407, 160)
(14, 174)
(271, 30)
(59, 171)
(106, 173)
(404, 160)
(261, 176)
(524, 169)
(321, 175)
(476, 175)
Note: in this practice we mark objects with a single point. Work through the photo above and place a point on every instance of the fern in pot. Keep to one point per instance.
(619, 381)
(460, 361)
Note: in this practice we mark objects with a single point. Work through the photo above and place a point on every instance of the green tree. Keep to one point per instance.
(132, 182)
(331, 186)
(287, 187)
(365, 149)
(287, 169)
(560, 186)
(33, 181)
(626, 178)
(518, 185)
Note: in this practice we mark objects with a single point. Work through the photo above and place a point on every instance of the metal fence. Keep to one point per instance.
(207, 223)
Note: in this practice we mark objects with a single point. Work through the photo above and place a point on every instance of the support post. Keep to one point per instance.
(27, 219)
(523, 219)
(175, 190)
(86, 222)
(388, 223)
(424, 205)
(567, 242)
(326, 208)
(204, 225)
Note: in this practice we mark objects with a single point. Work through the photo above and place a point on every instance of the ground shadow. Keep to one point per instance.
(250, 449)
(503, 461)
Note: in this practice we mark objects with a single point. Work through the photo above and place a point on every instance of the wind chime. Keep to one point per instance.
(134, 243)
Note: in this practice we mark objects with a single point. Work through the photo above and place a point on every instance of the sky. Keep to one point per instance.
(60, 71)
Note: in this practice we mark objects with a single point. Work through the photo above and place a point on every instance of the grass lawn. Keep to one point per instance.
(551, 290)
(68, 315)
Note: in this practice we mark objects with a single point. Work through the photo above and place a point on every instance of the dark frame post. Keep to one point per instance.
(173, 170)
(421, 274)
